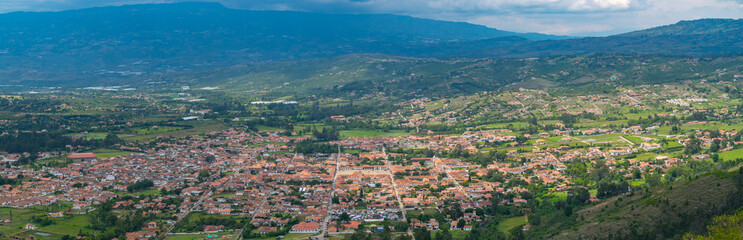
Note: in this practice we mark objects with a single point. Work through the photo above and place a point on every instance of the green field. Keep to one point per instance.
(198, 236)
(732, 154)
(506, 225)
(70, 224)
(289, 236)
(193, 216)
(456, 234)
(108, 153)
(372, 133)
(41, 235)
(151, 130)
(197, 127)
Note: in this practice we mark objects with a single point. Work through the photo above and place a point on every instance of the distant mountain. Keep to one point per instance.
(146, 41)
(688, 38)
(138, 39)
(695, 27)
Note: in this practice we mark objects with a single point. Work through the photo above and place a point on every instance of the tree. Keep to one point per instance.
(518, 232)
(403, 237)
(693, 146)
(111, 139)
(653, 179)
(578, 196)
(209, 159)
(140, 185)
(568, 210)
(422, 234)
(461, 223)
(344, 217)
(444, 235)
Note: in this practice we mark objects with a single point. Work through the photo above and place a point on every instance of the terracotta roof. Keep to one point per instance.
(81, 155)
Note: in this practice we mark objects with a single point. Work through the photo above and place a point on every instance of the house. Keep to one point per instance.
(213, 228)
(352, 225)
(56, 215)
(29, 227)
(266, 229)
(339, 118)
(150, 225)
(541, 141)
(305, 227)
(621, 151)
(143, 235)
(650, 146)
(82, 156)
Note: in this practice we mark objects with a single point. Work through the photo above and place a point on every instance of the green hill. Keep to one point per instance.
(665, 212)
(361, 74)
(696, 27)
(147, 39)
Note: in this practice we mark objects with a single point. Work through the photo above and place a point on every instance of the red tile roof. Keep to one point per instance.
(82, 155)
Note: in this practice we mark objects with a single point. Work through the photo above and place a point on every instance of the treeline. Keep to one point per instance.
(140, 185)
(325, 134)
(309, 147)
(196, 224)
(38, 142)
(109, 225)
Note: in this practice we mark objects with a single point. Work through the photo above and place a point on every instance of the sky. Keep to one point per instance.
(558, 17)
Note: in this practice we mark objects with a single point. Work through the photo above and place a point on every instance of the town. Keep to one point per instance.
(240, 181)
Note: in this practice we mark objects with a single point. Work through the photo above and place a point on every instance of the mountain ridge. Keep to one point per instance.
(154, 39)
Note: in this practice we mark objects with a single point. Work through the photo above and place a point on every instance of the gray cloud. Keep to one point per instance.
(570, 17)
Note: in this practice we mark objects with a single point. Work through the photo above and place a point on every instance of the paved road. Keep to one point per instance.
(455, 181)
(394, 187)
(326, 222)
(397, 195)
(185, 213)
(265, 197)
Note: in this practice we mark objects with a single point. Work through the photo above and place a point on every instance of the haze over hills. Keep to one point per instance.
(686, 38)
(152, 39)
(162, 37)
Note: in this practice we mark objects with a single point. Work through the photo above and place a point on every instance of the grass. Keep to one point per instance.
(198, 127)
(615, 216)
(372, 133)
(109, 153)
(289, 236)
(456, 234)
(415, 213)
(262, 128)
(732, 154)
(41, 235)
(147, 192)
(19, 218)
(506, 225)
(197, 236)
(193, 216)
(69, 226)
(151, 130)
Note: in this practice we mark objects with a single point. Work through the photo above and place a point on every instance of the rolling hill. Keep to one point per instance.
(141, 39)
(371, 74)
(146, 42)
(662, 213)
(685, 38)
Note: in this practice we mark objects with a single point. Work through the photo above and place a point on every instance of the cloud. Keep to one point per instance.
(432, 6)
(534, 5)
(571, 17)
(57, 5)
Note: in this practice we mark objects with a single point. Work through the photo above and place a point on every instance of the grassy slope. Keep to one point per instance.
(648, 212)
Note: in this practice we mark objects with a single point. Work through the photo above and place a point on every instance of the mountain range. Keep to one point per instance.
(152, 39)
